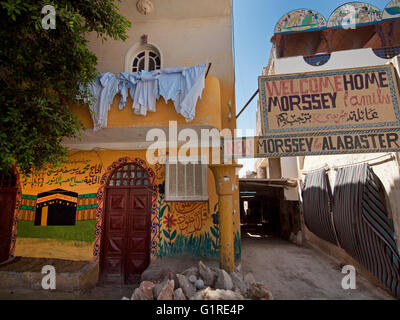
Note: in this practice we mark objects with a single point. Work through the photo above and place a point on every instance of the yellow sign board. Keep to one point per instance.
(350, 99)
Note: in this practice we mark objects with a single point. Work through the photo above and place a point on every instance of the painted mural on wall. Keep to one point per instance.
(392, 10)
(56, 208)
(170, 239)
(192, 216)
(177, 227)
(347, 16)
(354, 13)
(184, 228)
(300, 20)
(82, 173)
(60, 203)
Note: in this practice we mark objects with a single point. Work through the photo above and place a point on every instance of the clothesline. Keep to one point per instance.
(184, 86)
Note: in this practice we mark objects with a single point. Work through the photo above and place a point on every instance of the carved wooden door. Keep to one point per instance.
(126, 232)
(138, 234)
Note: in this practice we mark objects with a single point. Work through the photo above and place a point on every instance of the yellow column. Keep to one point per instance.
(225, 184)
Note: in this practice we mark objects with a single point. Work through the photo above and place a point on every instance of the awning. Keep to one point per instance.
(264, 187)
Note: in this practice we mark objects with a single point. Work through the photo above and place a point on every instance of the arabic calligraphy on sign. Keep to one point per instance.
(331, 117)
(341, 99)
(285, 119)
(358, 115)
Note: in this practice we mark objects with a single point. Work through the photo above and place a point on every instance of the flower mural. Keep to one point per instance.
(169, 221)
(185, 227)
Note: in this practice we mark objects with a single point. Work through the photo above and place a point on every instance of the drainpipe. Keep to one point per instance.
(225, 184)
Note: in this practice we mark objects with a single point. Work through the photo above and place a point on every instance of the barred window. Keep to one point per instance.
(186, 182)
(129, 175)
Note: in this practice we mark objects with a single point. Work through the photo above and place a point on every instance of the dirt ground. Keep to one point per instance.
(301, 273)
(290, 272)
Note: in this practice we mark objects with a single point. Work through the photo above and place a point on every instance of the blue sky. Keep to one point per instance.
(254, 22)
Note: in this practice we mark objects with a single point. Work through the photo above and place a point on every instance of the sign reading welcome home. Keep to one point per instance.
(330, 100)
(327, 112)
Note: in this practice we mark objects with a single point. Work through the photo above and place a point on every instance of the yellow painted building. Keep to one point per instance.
(109, 202)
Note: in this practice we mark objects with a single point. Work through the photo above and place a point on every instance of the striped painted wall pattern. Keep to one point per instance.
(27, 209)
(86, 209)
(87, 205)
(363, 228)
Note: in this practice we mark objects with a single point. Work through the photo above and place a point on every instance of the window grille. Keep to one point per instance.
(318, 59)
(387, 52)
(129, 175)
(186, 182)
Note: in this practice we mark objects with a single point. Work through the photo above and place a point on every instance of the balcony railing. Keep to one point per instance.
(318, 59)
(387, 52)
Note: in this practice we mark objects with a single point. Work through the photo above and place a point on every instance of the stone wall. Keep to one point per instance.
(79, 281)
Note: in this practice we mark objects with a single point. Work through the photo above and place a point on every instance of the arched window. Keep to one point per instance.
(147, 58)
(129, 175)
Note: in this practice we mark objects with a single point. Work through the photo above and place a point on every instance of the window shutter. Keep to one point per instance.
(186, 182)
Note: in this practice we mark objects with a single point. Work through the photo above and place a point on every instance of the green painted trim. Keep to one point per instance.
(85, 196)
(27, 208)
(89, 206)
(81, 196)
(27, 196)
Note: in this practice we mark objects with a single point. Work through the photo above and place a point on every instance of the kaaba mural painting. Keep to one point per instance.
(56, 208)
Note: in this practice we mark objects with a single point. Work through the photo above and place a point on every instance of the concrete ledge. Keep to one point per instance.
(79, 281)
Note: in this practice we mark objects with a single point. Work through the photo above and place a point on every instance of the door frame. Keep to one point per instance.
(101, 200)
(124, 274)
(11, 194)
(17, 204)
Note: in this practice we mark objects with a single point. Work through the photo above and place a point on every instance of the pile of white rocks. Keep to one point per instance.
(203, 283)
